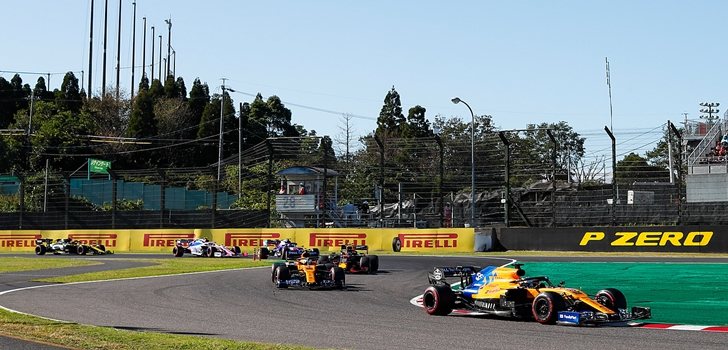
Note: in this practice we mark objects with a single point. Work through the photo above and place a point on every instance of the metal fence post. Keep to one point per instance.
(381, 179)
(162, 198)
(21, 203)
(269, 178)
(507, 176)
(441, 208)
(553, 177)
(677, 133)
(67, 192)
(614, 175)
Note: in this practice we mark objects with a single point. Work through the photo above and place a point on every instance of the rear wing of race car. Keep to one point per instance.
(439, 274)
(184, 242)
(356, 247)
(44, 241)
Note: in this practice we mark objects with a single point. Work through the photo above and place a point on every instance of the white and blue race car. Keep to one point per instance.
(203, 247)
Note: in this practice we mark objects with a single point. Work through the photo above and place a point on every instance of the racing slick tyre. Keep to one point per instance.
(280, 276)
(211, 252)
(40, 250)
(611, 298)
(396, 244)
(373, 264)
(284, 255)
(546, 307)
(438, 300)
(236, 250)
(178, 251)
(316, 251)
(81, 250)
(338, 276)
(263, 253)
(364, 263)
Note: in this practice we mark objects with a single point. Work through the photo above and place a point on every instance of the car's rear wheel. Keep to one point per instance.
(396, 244)
(280, 276)
(373, 264)
(364, 263)
(263, 253)
(546, 307)
(40, 250)
(438, 300)
(236, 250)
(339, 276)
(611, 298)
(81, 250)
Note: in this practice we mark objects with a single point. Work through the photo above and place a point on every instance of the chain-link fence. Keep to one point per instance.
(534, 177)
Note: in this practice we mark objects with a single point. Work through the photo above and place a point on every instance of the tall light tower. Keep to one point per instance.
(457, 100)
(710, 108)
(151, 76)
(169, 42)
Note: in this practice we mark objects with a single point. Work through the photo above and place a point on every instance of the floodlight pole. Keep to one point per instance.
(457, 100)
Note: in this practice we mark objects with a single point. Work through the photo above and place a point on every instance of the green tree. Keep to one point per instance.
(68, 98)
(171, 90)
(391, 120)
(40, 91)
(634, 168)
(181, 88)
(659, 156)
(142, 122)
(156, 90)
(199, 98)
(534, 150)
(8, 107)
(417, 123)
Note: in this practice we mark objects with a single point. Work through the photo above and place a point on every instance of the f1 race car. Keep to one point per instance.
(283, 249)
(504, 291)
(354, 259)
(68, 246)
(203, 247)
(307, 272)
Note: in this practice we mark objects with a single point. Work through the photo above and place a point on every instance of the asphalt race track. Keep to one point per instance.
(374, 312)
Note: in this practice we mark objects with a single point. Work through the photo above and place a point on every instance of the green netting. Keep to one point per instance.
(684, 293)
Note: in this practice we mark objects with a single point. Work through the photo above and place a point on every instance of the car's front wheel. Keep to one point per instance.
(611, 298)
(280, 276)
(546, 307)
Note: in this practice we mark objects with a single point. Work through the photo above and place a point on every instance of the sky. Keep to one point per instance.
(523, 62)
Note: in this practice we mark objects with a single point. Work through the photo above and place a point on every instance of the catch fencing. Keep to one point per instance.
(523, 178)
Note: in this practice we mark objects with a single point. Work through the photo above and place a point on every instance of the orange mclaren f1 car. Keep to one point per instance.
(306, 271)
(504, 291)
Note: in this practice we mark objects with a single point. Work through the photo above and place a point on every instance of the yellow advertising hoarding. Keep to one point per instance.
(162, 240)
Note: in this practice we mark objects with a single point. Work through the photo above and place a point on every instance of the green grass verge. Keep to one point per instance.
(161, 267)
(92, 337)
(14, 264)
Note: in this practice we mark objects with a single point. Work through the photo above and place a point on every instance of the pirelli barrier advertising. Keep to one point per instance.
(162, 240)
(696, 239)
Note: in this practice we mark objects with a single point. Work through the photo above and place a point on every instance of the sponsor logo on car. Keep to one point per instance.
(164, 239)
(106, 239)
(18, 240)
(293, 282)
(428, 240)
(336, 239)
(649, 238)
(249, 239)
(568, 317)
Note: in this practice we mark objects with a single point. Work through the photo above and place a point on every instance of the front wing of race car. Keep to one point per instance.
(583, 318)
